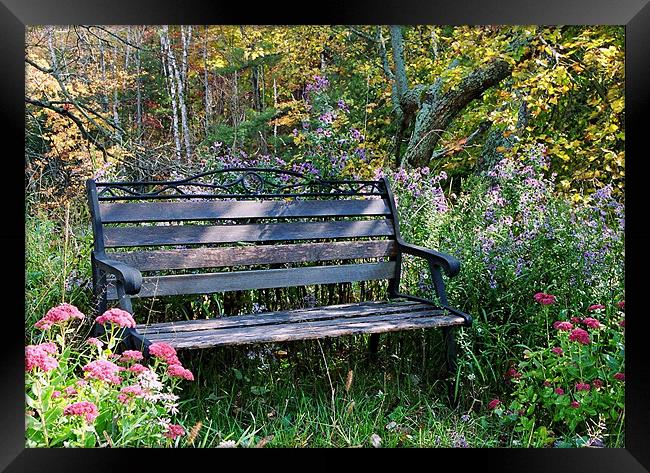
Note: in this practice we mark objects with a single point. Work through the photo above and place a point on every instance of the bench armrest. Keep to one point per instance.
(450, 264)
(130, 277)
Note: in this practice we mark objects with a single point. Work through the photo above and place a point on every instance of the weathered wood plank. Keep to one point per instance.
(259, 279)
(215, 210)
(192, 258)
(280, 317)
(201, 234)
(307, 330)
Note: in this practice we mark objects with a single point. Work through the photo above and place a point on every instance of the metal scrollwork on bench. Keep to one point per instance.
(239, 183)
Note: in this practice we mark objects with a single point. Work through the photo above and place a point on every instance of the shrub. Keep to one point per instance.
(83, 394)
(573, 383)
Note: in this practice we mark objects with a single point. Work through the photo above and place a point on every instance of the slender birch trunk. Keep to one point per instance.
(168, 60)
(206, 93)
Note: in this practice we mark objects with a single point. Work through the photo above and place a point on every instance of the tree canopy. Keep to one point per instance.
(151, 100)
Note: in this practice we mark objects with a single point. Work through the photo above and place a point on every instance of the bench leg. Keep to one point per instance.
(373, 346)
(452, 358)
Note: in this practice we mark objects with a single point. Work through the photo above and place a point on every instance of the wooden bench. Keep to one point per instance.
(252, 229)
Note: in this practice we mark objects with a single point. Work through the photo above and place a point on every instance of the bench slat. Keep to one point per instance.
(259, 279)
(278, 317)
(200, 234)
(214, 210)
(307, 330)
(256, 254)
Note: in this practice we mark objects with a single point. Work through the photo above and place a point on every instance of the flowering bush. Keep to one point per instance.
(515, 236)
(86, 395)
(327, 145)
(573, 384)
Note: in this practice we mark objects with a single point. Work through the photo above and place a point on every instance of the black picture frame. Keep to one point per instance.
(634, 14)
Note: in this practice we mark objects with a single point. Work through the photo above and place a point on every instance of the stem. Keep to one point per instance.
(41, 413)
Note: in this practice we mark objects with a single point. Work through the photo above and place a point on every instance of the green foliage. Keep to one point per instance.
(115, 418)
(590, 396)
(57, 262)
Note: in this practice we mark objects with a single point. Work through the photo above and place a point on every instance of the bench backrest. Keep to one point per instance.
(253, 228)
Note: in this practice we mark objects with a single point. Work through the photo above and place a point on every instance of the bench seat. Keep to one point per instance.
(302, 324)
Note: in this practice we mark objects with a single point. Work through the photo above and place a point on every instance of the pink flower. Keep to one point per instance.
(174, 431)
(177, 371)
(494, 403)
(60, 313)
(591, 322)
(621, 305)
(544, 299)
(39, 356)
(95, 341)
(622, 323)
(81, 383)
(165, 352)
(563, 325)
(116, 316)
(82, 408)
(595, 307)
(581, 336)
(513, 373)
(575, 404)
(131, 355)
(582, 387)
(56, 394)
(547, 384)
(557, 350)
(129, 392)
(597, 383)
(559, 391)
(103, 370)
(137, 368)
(70, 391)
(575, 320)
(619, 376)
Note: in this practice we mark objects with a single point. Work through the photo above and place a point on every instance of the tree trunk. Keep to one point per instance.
(168, 58)
(206, 93)
(138, 103)
(437, 111)
(116, 103)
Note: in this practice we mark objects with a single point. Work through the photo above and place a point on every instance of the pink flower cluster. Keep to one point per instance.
(559, 391)
(557, 350)
(173, 431)
(597, 383)
(103, 370)
(582, 387)
(581, 336)
(95, 341)
(60, 313)
(131, 355)
(167, 353)
(619, 376)
(82, 408)
(544, 299)
(117, 317)
(40, 356)
(595, 307)
(494, 403)
(129, 392)
(591, 322)
(563, 325)
(177, 371)
(513, 373)
(137, 368)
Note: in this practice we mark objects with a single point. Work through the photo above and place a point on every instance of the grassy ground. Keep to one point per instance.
(328, 394)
